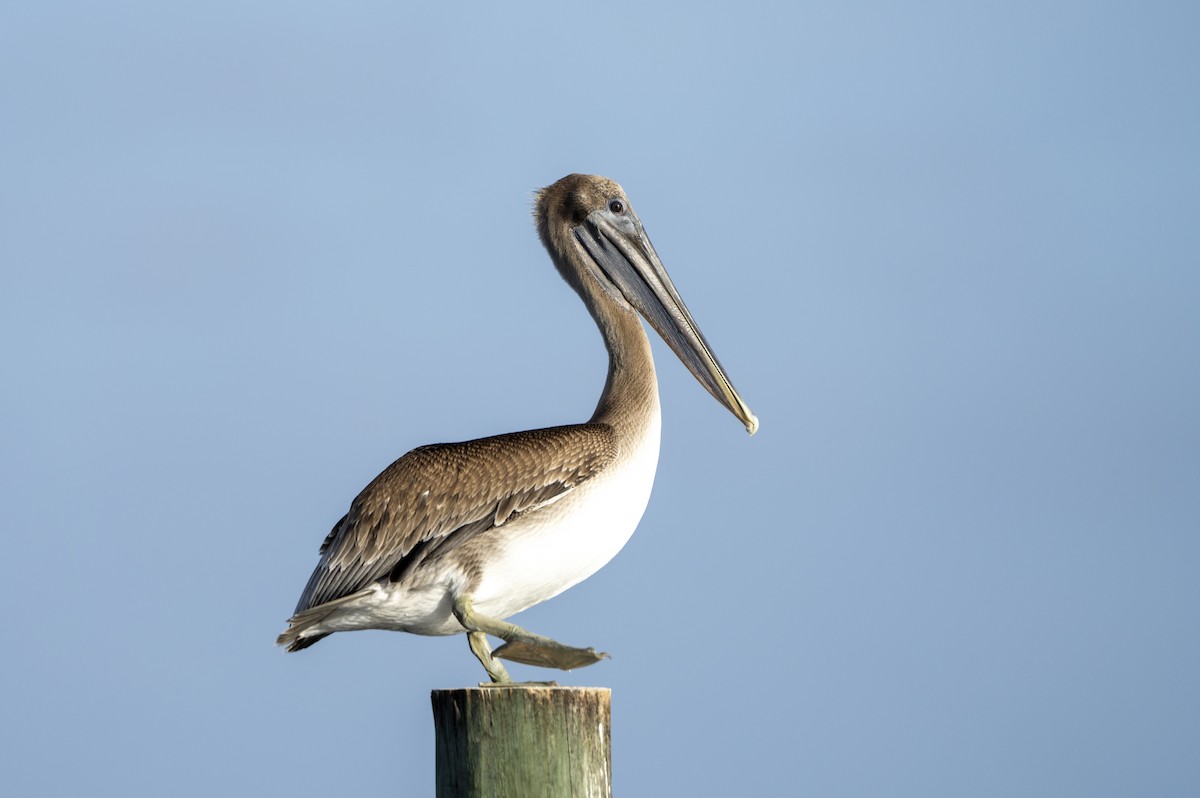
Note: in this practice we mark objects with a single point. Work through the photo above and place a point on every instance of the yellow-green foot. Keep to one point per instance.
(518, 685)
(520, 645)
(565, 658)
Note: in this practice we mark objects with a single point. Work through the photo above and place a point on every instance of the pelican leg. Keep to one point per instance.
(483, 652)
(520, 645)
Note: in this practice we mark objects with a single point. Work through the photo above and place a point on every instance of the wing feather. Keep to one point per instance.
(422, 500)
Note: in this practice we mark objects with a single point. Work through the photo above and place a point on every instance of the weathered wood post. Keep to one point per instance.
(527, 741)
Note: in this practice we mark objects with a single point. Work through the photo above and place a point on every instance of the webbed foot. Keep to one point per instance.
(552, 655)
(519, 645)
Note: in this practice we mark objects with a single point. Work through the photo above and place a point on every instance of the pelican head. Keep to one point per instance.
(597, 241)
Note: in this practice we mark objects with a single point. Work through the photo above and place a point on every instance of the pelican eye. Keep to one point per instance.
(616, 206)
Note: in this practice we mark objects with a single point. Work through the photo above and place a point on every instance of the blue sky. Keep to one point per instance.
(949, 253)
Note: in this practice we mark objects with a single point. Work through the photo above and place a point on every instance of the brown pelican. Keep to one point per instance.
(456, 537)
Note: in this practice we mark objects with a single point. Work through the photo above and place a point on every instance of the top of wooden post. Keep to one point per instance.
(523, 741)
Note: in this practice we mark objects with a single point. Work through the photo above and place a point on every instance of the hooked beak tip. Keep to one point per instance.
(752, 424)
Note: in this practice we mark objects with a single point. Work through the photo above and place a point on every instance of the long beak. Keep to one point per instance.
(628, 259)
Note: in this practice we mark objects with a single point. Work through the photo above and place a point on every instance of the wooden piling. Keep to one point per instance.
(526, 741)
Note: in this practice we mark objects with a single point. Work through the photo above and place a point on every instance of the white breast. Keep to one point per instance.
(541, 554)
